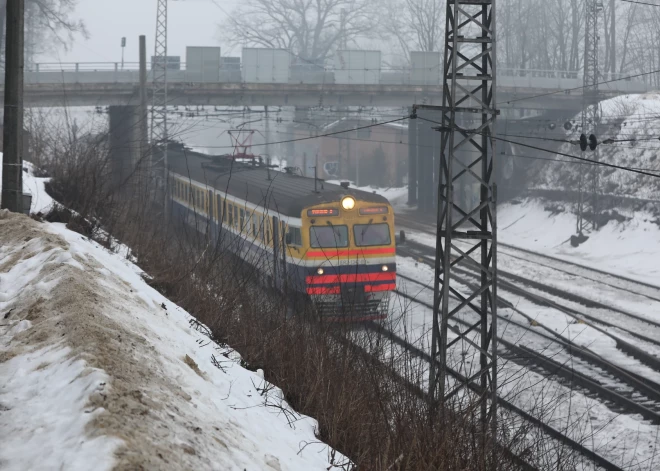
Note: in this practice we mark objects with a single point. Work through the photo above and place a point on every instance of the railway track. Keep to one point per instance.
(636, 383)
(645, 331)
(626, 392)
(636, 335)
(504, 403)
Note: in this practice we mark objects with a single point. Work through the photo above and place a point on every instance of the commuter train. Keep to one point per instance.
(331, 244)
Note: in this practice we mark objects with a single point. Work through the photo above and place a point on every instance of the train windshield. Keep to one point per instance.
(371, 234)
(328, 236)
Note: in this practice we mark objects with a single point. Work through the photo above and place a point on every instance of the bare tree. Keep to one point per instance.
(309, 28)
(49, 24)
(414, 25)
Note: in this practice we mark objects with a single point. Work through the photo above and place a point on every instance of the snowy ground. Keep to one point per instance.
(99, 370)
(626, 440)
(630, 248)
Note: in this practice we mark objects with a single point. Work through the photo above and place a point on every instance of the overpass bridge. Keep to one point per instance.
(107, 84)
(548, 93)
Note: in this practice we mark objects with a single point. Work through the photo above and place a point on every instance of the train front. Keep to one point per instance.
(350, 259)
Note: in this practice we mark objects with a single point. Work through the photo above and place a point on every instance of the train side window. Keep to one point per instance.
(231, 214)
(254, 225)
(242, 219)
(267, 223)
(294, 236)
(218, 208)
(224, 211)
(235, 215)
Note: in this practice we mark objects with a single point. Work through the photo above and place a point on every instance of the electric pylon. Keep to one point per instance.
(589, 177)
(159, 106)
(466, 235)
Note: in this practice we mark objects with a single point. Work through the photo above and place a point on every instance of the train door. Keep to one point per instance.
(210, 213)
(276, 251)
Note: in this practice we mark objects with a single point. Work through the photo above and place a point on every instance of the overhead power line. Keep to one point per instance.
(550, 151)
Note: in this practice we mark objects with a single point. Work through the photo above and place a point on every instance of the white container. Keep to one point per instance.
(425, 68)
(357, 67)
(262, 65)
(203, 64)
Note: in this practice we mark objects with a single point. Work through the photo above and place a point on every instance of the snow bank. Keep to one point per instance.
(633, 121)
(99, 370)
(630, 248)
(41, 201)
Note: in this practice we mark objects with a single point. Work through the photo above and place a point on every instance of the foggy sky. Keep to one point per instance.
(191, 23)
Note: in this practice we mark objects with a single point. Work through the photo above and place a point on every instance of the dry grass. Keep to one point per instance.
(366, 395)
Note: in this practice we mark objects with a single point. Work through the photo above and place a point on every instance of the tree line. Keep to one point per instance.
(532, 34)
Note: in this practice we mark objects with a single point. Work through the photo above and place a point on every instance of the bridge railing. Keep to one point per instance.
(128, 72)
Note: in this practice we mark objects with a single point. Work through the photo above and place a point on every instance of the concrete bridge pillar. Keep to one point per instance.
(124, 146)
(428, 149)
(412, 161)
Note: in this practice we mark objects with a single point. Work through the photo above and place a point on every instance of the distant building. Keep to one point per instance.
(371, 156)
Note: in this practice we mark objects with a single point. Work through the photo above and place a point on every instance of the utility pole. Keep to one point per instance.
(159, 108)
(12, 163)
(589, 178)
(466, 230)
(612, 38)
(144, 115)
(123, 46)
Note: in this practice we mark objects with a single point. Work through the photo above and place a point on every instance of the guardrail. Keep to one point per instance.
(128, 72)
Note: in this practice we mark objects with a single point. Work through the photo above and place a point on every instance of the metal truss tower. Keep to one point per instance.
(589, 178)
(466, 236)
(159, 68)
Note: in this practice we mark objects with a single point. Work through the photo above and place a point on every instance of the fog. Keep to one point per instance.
(191, 23)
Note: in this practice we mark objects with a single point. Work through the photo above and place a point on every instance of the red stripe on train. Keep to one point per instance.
(324, 290)
(373, 289)
(341, 253)
(351, 278)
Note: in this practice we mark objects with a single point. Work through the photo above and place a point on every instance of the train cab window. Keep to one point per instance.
(294, 236)
(328, 236)
(367, 235)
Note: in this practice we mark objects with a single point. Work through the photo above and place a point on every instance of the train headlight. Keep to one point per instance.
(320, 271)
(385, 268)
(348, 203)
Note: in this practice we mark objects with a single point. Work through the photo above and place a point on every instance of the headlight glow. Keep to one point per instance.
(320, 271)
(348, 203)
(385, 268)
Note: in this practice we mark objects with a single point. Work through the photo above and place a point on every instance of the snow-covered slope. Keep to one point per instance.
(633, 123)
(630, 248)
(99, 370)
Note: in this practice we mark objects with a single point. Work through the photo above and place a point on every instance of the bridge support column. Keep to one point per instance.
(428, 145)
(412, 162)
(124, 145)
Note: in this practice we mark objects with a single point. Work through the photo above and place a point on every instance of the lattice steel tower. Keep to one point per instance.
(466, 237)
(589, 178)
(159, 69)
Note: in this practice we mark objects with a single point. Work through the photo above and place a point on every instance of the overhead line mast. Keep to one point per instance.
(589, 177)
(466, 235)
(159, 107)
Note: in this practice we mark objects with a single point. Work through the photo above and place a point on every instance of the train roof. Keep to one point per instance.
(285, 193)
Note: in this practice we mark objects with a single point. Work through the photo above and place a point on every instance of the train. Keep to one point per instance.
(330, 244)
